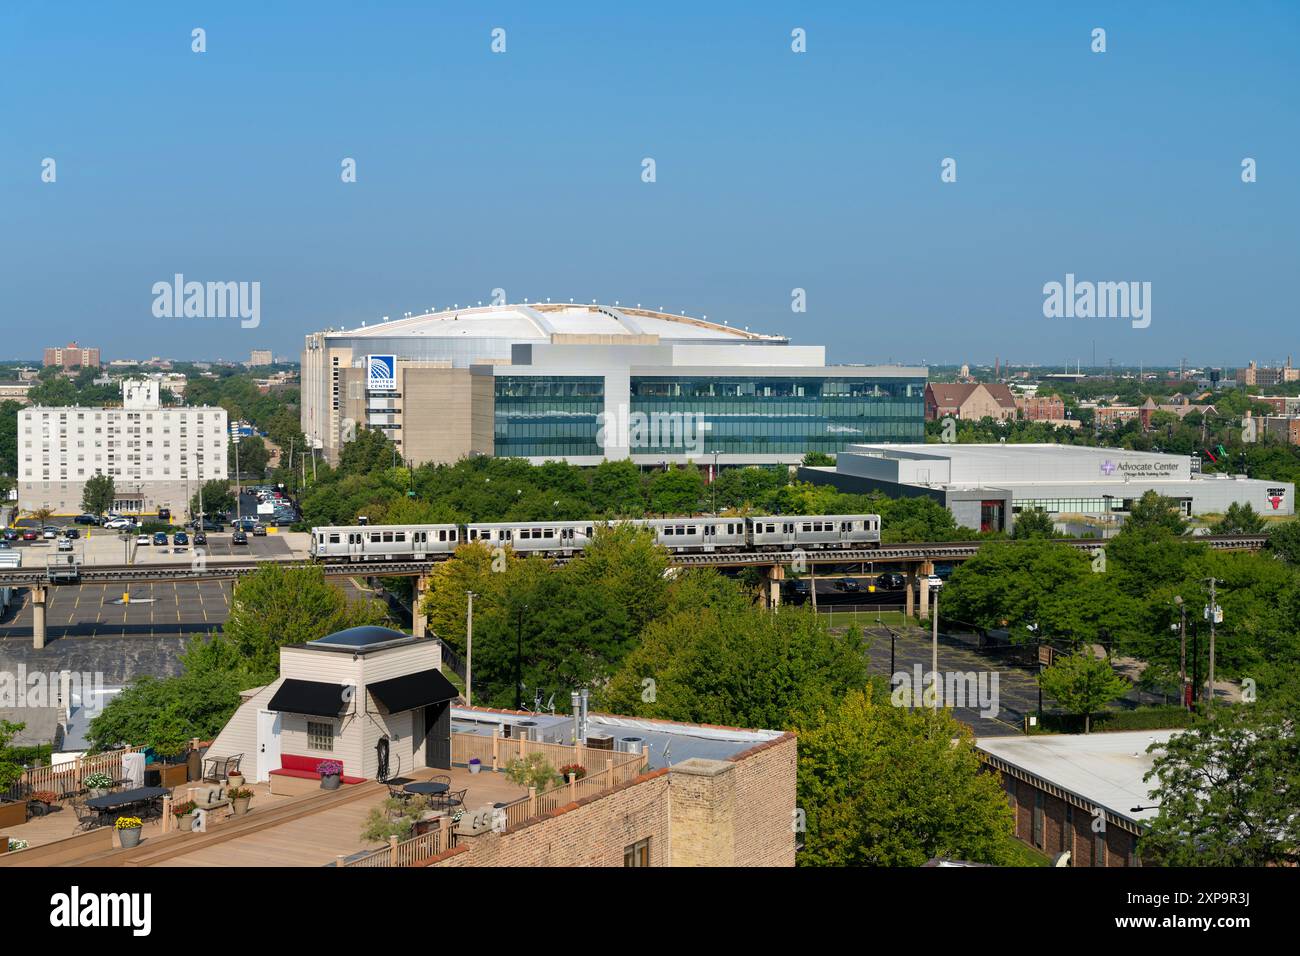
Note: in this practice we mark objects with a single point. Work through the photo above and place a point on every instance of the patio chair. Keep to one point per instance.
(454, 798)
(441, 778)
(87, 819)
(397, 793)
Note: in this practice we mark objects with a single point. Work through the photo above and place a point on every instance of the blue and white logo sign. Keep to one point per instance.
(381, 373)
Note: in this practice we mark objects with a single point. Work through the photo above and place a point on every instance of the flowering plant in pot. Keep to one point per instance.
(98, 783)
(577, 769)
(331, 774)
(235, 778)
(475, 765)
(128, 830)
(239, 799)
(184, 813)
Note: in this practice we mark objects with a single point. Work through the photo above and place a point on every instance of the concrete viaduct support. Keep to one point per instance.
(40, 602)
(417, 598)
(773, 578)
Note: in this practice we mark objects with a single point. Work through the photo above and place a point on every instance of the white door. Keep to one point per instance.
(268, 743)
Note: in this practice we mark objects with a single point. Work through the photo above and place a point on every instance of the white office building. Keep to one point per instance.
(156, 456)
(986, 485)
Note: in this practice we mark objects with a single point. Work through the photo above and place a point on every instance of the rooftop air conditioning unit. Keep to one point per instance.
(600, 741)
(630, 745)
(528, 729)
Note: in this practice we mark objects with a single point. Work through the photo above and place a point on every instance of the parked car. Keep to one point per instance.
(180, 539)
(160, 537)
(65, 544)
(142, 539)
(891, 581)
(49, 532)
(164, 514)
(71, 533)
(934, 581)
(11, 534)
(30, 534)
(86, 519)
(798, 592)
(5, 546)
(117, 523)
(200, 538)
(847, 584)
(259, 531)
(238, 537)
(205, 525)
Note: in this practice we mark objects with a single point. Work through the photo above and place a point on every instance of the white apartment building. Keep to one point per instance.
(156, 456)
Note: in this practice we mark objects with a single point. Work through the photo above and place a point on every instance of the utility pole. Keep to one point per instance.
(1213, 615)
(469, 651)
(934, 643)
(1182, 653)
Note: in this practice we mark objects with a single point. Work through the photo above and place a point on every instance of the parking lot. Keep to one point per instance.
(89, 628)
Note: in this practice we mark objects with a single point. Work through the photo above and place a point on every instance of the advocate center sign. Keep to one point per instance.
(1142, 468)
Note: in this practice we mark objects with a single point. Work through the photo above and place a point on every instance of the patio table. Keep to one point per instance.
(125, 798)
(426, 788)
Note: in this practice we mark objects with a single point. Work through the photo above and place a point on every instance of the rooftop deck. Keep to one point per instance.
(313, 829)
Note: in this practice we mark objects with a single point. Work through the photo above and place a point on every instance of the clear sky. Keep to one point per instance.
(775, 170)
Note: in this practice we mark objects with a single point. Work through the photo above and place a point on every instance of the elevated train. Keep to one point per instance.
(699, 535)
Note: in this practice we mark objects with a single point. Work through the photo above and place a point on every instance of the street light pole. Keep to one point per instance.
(469, 651)
(1214, 613)
(1182, 652)
(934, 643)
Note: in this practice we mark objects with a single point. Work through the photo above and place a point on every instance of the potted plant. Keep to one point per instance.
(239, 798)
(475, 765)
(170, 738)
(128, 831)
(577, 769)
(98, 783)
(184, 813)
(16, 845)
(331, 774)
(235, 778)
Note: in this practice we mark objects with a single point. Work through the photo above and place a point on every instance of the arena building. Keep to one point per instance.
(586, 383)
(985, 485)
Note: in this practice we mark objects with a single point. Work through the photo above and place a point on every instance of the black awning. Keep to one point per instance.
(311, 697)
(413, 690)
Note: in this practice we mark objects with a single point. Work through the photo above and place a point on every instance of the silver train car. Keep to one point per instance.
(383, 542)
(532, 537)
(703, 534)
(813, 531)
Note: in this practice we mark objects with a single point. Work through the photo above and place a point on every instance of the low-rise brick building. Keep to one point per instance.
(1078, 794)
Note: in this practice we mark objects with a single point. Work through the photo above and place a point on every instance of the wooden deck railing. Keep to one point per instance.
(405, 852)
(67, 777)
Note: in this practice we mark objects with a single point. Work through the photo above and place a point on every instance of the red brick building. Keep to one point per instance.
(969, 401)
(71, 356)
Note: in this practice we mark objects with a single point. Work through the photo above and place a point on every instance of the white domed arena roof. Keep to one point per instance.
(538, 322)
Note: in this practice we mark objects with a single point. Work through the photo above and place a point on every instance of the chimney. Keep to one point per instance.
(585, 708)
(575, 701)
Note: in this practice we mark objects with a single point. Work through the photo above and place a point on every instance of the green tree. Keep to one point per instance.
(892, 786)
(1083, 683)
(9, 437)
(1240, 519)
(253, 456)
(1033, 523)
(738, 666)
(677, 491)
(278, 605)
(1228, 790)
(11, 770)
(216, 496)
(98, 494)
(1154, 512)
(1284, 541)
(818, 459)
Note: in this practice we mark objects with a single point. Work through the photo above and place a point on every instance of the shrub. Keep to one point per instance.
(185, 809)
(97, 781)
(533, 770)
(577, 769)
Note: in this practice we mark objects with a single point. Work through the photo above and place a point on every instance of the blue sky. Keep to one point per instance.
(775, 170)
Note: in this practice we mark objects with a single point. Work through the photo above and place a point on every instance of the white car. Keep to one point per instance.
(934, 581)
(118, 523)
(143, 539)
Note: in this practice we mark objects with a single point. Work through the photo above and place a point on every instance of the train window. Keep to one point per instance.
(691, 529)
(549, 533)
(334, 539)
(588, 532)
(399, 536)
(442, 535)
(453, 534)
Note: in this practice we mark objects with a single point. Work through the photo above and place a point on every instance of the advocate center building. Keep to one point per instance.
(585, 383)
(986, 485)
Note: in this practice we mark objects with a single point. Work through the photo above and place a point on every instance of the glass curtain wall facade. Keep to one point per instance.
(779, 415)
(547, 416)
